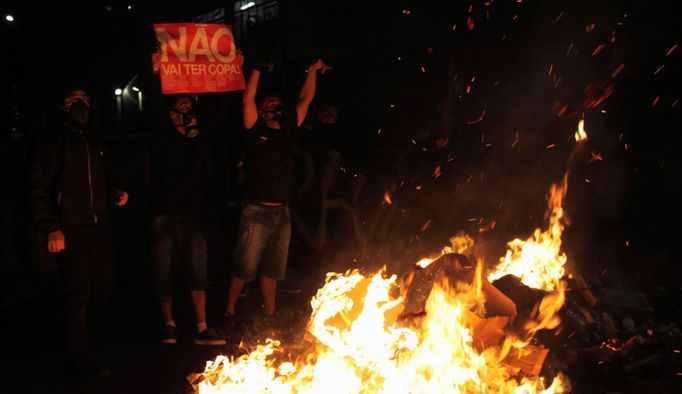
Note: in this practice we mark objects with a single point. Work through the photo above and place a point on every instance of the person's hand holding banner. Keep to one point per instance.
(156, 61)
(319, 64)
(197, 58)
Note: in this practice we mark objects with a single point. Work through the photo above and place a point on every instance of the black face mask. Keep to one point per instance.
(79, 112)
(278, 113)
(190, 121)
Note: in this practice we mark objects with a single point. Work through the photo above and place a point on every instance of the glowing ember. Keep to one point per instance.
(387, 198)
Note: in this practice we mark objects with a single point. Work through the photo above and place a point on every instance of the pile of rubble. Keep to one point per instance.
(609, 339)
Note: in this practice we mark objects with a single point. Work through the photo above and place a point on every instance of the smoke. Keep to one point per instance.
(466, 129)
(496, 97)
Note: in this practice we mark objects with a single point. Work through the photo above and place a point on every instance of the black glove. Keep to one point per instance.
(266, 65)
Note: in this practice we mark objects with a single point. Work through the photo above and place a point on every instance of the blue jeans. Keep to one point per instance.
(263, 242)
(180, 234)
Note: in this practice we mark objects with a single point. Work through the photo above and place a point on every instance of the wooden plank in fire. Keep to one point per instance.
(527, 360)
(453, 266)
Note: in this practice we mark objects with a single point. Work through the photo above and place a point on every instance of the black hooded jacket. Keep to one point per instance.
(66, 181)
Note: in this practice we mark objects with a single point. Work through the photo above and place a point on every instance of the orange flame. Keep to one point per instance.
(538, 261)
(361, 347)
(387, 198)
(580, 135)
(460, 243)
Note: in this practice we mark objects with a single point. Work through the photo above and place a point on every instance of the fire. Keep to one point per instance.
(361, 346)
(360, 342)
(460, 243)
(580, 135)
(538, 261)
(387, 198)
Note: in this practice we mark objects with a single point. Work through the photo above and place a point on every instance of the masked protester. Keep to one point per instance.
(180, 186)
(69, 198)
(268, 168)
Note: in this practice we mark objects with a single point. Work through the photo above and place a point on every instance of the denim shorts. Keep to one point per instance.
(263, 242)
(182, 236)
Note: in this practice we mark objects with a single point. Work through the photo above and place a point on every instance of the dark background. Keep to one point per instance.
(405, 75)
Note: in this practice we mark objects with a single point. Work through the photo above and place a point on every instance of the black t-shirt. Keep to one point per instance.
(269, 161)
(180, 173)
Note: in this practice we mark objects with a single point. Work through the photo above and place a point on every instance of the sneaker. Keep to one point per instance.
(169, 334)
(209, 337)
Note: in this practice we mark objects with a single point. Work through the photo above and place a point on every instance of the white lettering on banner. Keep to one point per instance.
(199, 46)
(203, 50)
(195, 69)
(171, 69)
(176, 45)
(223, 31)
(222, 69)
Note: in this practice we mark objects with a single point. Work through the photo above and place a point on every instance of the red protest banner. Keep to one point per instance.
(198, 58)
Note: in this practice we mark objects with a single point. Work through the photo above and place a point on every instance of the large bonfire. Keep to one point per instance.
(362, 345)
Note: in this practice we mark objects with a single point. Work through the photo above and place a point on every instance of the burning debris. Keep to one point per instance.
(443, 326)
(367, 338)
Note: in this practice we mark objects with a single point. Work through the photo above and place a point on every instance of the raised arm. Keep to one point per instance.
(250, 115)
(307, 93)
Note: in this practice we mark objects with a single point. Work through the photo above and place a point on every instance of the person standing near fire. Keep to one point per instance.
(68, 198)
(181, 186)
(268, 167)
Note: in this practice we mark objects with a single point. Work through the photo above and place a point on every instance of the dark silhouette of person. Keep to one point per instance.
(68, 199)
(265, 226)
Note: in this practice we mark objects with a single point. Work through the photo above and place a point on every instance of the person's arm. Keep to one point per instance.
(250, 115)
(307, 93)
(113, 181)
(44, 168)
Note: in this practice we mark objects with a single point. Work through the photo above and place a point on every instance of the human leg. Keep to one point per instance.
(268, 289)
(254, 232)
(162, 238)
(273, 267)
(75, 267)
(193, 253)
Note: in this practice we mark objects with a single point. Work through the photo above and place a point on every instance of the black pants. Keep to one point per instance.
(87, 265)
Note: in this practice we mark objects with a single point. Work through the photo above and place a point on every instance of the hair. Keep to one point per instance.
(69, 92)
(267, 95)
(181, 96)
